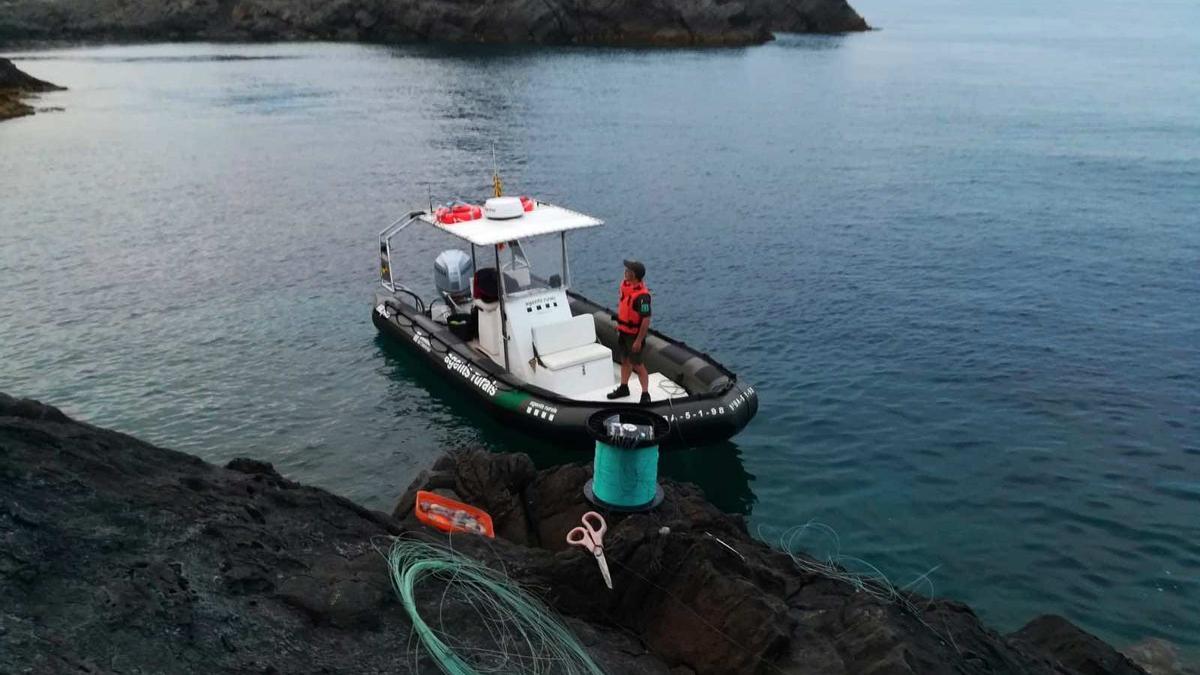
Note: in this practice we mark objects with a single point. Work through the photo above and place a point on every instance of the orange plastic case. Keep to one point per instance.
(448, 515)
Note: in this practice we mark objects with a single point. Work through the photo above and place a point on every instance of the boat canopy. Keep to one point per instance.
(545, 219)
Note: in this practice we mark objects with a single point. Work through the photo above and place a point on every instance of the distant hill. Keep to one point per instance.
(625, 22)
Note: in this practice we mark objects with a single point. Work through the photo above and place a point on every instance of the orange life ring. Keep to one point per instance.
(459, 213)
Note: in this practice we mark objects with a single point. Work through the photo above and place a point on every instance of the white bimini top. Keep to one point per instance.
(544, 219)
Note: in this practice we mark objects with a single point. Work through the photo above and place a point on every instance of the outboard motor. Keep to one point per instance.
(452, 272)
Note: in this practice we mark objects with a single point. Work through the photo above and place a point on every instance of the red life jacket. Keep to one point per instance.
(628, 320)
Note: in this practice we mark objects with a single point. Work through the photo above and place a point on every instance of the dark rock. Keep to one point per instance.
(555, 504)
(16, 85)
(120, 556)
(507, 506)
(809, 16)
(12, 77)
(252, 467)
(404, 505)
(26, 408)
(654, 22)
(704, 608)
(1074, 649)
(343, 593)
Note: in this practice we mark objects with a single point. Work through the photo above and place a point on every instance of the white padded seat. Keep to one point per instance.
(569, 343)
(576, 356)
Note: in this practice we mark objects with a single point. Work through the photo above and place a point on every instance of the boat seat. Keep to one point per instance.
(487, 321)
(569, 343)
(576, 356)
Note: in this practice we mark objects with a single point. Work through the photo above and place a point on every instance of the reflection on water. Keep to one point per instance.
(196, 58)
(718, 470)
(804, 41)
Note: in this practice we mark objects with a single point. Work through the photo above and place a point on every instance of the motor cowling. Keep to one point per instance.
(452, 272)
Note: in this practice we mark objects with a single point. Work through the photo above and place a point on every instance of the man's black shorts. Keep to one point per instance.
(625, 349)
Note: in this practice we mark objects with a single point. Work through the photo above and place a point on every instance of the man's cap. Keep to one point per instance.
(638, 268)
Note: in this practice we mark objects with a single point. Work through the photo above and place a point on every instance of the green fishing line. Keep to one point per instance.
(524, 635)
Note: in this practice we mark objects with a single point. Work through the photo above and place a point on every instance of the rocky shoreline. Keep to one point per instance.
(15, 87)
(613, 22)
(119, 556)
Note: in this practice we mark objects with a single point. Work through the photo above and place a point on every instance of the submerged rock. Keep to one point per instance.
(121, 556)
(16, 85)
(647, 22)
(1159, 657)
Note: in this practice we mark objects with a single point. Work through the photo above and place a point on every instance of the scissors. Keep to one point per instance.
(591, 536)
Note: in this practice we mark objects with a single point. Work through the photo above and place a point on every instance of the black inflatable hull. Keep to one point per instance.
(695, 420)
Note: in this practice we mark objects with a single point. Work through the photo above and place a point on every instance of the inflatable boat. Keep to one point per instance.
(531, 351)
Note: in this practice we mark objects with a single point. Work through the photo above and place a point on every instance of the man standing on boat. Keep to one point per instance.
(633, 322)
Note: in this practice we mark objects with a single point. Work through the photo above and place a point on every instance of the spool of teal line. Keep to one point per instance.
(626, 478)
(625, 470)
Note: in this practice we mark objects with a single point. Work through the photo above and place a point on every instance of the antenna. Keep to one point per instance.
(429, 189)
(497, 186)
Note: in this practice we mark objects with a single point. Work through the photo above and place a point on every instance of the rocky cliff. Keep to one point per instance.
(641, 22)
(119, 556)
(15, 86)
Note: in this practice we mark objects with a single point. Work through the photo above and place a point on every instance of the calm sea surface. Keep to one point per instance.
(958, 257)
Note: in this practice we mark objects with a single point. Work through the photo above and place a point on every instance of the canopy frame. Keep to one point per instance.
(492, 234)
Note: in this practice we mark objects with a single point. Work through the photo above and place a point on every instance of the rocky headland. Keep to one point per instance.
(614, 22)
(119, 556)
(15, 87)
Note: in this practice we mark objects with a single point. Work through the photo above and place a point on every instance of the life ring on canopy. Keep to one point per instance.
(527, 203)
(458, 213)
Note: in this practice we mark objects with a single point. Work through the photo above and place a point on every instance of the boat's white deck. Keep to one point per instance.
(661, 388)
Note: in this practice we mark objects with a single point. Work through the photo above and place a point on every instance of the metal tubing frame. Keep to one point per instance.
(398, 226)
(566, 270)
(385, 247)
(503, 314)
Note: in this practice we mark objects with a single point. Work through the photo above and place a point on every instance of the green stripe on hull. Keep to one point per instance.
(513, 400)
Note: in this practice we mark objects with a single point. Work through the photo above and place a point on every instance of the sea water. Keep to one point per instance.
(959, 259)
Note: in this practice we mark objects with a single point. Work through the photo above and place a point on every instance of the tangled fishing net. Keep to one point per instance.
(482, 622)
(856, 572)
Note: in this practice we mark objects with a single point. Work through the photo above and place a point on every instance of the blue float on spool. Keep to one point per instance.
(625, 472)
